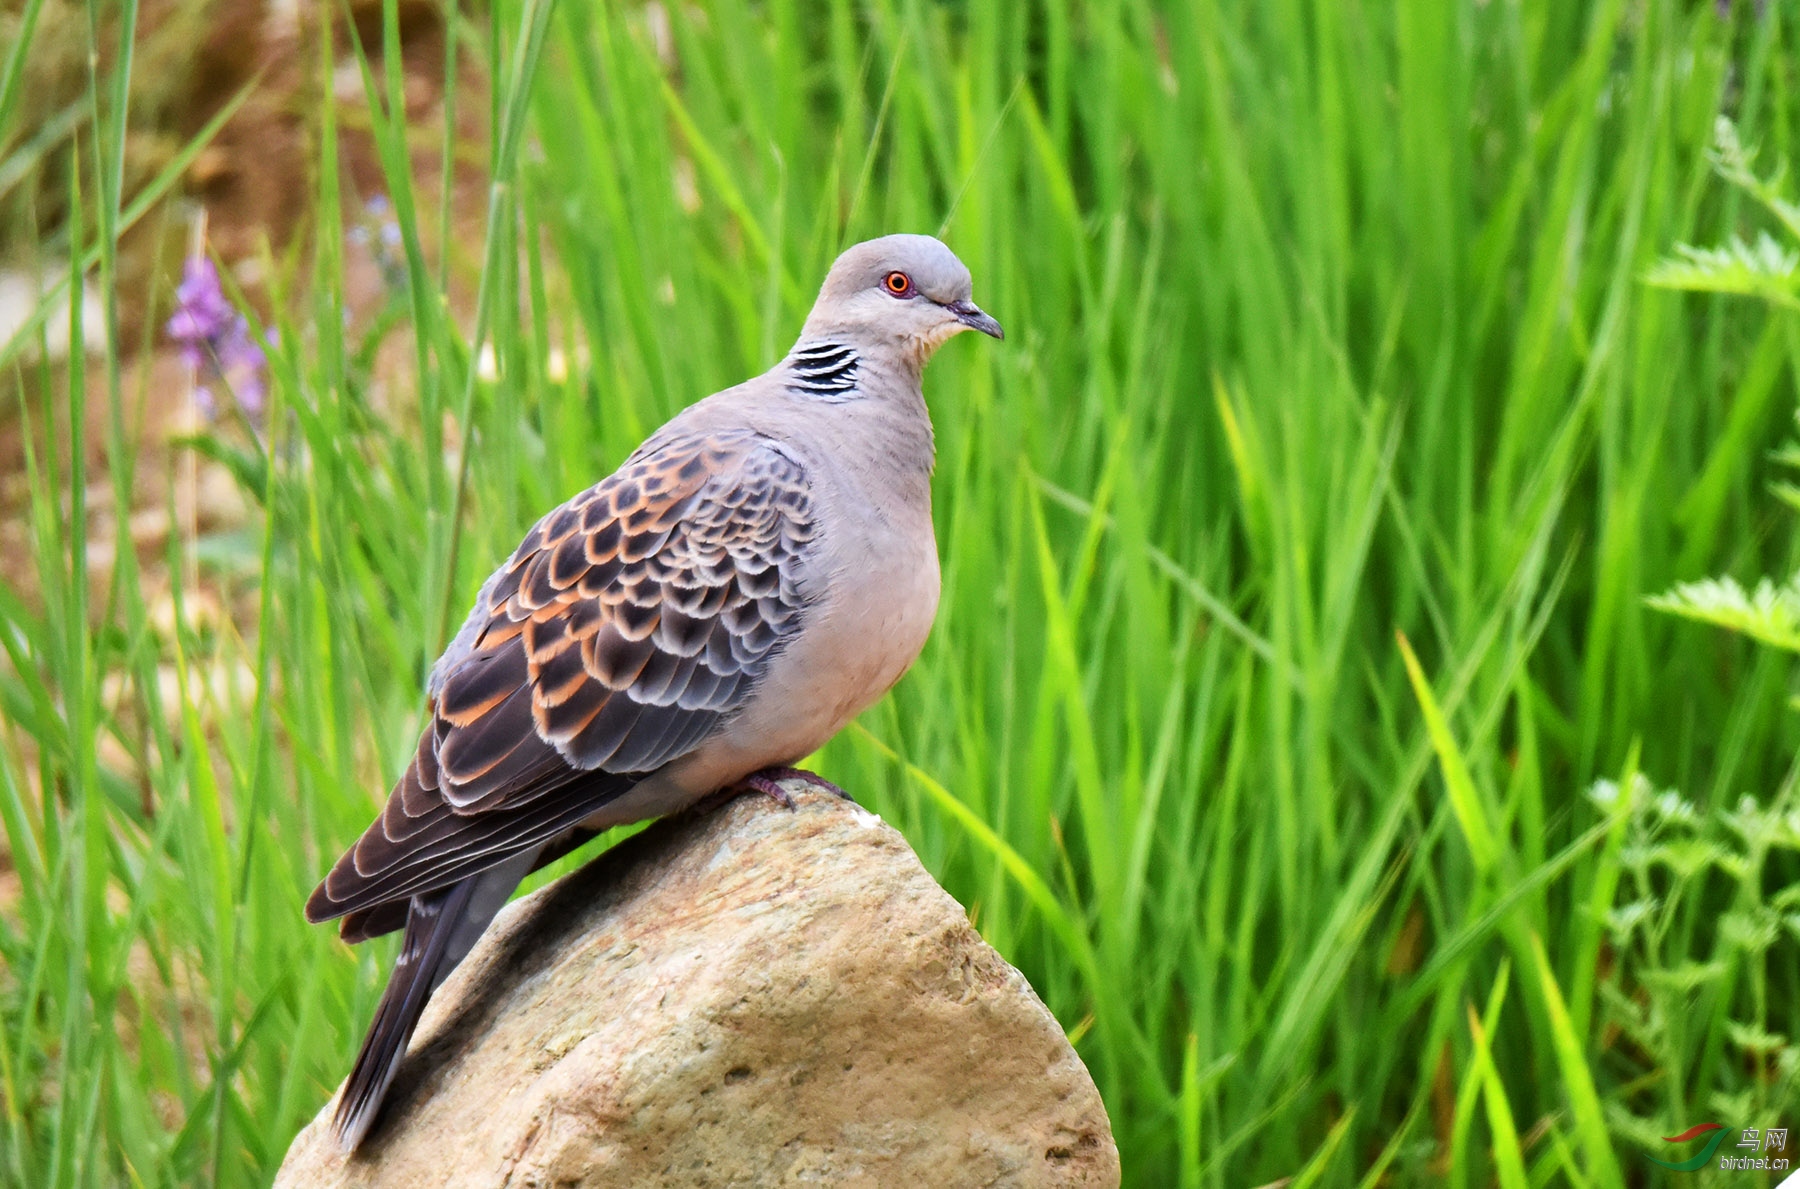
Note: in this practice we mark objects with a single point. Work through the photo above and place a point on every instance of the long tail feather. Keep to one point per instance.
(365, 923)
(441, 927)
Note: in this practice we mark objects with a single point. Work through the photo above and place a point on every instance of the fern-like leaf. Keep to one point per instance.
(1764, 269)
(1769, 613)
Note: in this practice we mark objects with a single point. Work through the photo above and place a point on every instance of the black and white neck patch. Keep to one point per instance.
(826, 370)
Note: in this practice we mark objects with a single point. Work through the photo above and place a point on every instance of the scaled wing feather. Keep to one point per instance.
(628, 624)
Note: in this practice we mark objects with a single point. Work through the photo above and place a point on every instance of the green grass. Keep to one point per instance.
(1294, 717)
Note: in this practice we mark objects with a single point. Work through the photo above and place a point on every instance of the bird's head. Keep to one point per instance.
(906, 290)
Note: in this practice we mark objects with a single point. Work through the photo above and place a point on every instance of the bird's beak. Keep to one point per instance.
(970, 315)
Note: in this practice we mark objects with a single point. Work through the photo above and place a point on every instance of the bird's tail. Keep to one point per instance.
(441, 928)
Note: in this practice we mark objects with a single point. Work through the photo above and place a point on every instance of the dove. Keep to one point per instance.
(757, 573)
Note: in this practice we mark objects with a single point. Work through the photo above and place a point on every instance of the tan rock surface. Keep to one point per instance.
(751, 997)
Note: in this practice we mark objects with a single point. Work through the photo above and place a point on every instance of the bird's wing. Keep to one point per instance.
(629, 623)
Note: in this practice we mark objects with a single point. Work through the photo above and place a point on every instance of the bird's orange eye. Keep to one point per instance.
(897, 283)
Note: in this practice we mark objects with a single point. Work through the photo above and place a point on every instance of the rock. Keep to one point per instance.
(754, 996)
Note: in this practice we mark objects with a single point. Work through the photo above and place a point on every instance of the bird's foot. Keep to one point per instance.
(769, 786)
(811, 778)
(768, 782)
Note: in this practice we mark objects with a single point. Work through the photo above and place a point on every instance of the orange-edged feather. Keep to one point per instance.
(629, 623)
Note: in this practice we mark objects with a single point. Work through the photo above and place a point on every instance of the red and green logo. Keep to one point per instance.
(1707, 1149)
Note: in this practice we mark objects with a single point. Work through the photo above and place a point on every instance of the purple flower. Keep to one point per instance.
(215, 341)
(201, 312)
(378, 234)
(241, 362)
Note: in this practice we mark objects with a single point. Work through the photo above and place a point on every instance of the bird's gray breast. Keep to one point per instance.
(873, 577)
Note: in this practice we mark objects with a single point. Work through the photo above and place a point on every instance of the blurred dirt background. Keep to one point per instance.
(244, 200)
(246, 195)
